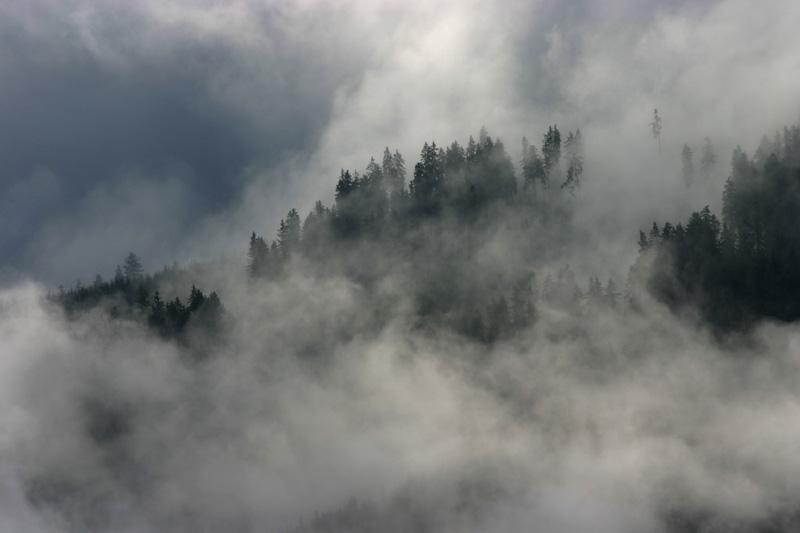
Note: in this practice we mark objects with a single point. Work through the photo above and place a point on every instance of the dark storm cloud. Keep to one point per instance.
(92, 88)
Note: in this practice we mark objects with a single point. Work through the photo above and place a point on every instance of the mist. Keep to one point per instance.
(357, 385)
(622, 425)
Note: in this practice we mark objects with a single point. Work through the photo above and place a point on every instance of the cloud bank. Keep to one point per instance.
(626, 423)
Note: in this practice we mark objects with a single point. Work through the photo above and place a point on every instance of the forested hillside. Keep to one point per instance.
(744, 265)
(447, 268)
(467, 238)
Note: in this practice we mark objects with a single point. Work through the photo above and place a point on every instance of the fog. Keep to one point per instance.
(175, 130)
(613, 427)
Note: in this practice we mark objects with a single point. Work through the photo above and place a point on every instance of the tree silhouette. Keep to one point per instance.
(656, 128)
(132, 268)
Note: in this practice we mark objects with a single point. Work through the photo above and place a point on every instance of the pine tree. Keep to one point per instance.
(176, 315)
(374, 186)
(708, 160)
(551, 154)
(594, 294)
(426, 186)
(257, 256)
(400, 171)
(667, 232)
(132, 268)
(395, 181)
(289, 234)
(644, 244)
(729, 203)
(687, 167)
(142, 298)
(574, 149)
(454, 160)
(212, 313)
(345, 185)
(483, 137)
(472, 150)
(655, 235)
(157, 316)
(196, 299)
(656, 127)
(611, 295)
(533, 171)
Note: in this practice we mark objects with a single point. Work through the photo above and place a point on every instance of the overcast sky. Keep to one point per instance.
(175, 129)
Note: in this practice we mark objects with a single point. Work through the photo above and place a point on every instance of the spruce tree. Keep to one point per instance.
(196, 299)
(708, 160)
(132, 268)
(687, 167)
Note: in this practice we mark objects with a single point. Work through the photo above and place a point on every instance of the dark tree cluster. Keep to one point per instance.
(447, 182)
(171, 319)
(134, 294)
(708, 162)
(458, 200)
(745, 266)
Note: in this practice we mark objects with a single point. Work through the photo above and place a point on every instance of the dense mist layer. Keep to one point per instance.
(608, 421)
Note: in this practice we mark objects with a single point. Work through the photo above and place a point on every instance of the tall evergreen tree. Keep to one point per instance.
(656, 128)
(289, 234)
(142, 298)
(176, 315)
(375, 194)
(611, 294)
(471, 152)
(344, 186)
(257, 256)
(687, 167)
(426, 186)
(655, 235)
(533, 171)
(454, 159)
(157, 316)
(400, 171)
(574, 149)
(708, 160)
(196, 299)
(551, 154)
(394, 172)
(133, 268)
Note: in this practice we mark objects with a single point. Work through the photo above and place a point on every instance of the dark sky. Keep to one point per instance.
(173, 130)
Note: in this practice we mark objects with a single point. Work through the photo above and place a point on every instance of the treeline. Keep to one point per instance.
(456, 182)
(134, 294)
(464, 237)
(438, 231)
(746, 265)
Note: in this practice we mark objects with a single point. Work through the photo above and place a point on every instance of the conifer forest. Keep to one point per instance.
(332, 267)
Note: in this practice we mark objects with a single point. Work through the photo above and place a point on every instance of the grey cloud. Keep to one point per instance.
(613, 426)
(91, 88)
